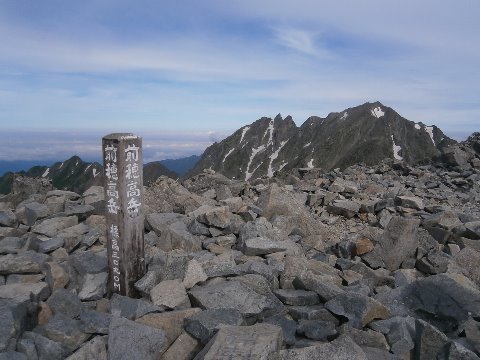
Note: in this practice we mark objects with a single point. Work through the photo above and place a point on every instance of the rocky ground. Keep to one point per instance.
(370, 263)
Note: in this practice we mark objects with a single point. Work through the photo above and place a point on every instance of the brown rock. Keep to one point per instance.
(363, 246)
(56, 277)
(44, 313)
(184, 348)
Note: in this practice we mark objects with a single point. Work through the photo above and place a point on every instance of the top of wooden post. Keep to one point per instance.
(121, 136)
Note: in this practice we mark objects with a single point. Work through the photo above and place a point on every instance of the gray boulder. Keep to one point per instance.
(130, 340)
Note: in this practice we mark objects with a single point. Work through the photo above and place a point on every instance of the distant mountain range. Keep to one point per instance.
(77, 175)
(367, 133)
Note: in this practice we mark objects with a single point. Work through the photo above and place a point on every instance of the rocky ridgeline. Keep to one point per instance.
(370, 263)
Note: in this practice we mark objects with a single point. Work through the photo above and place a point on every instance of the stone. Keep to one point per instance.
(289, 327)
(171, 294)
(468, 259)
(346, 208)
(82, 211)
(94, 322)
(170, 322)
(365, 338)
(65, 302)
(317, 329)
(89, 262)
(342, 348)
(194, 274)
(130, 308)
(170, 227)
(472, 230)
(435, 262)
(324, 286)
(93, 349)
(233, 295)
(44, 313)
(412, 202)
(73, 236)
(95, 196)
(51, 227)
(27, 262)
(359, 309)
(11, 245)
(456, 351)
(205, 324)
(147, 282)
(47, 246)
(65, 331)
(243, 342)
(94, 286)
(35, 211)
(131, 340)
(297, 297)
(14, 318)
(37, 291)
(429, 340)
(8, 218)
(363, 246)
(185, 347)
(262, 246)
(313, 312)
(221, 265)
(24, 278)
(56, 276)
(398, 242)
(399, 332)
(213, 216)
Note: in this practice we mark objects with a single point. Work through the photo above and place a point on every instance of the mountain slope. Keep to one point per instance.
(367, 133)
(181, 166)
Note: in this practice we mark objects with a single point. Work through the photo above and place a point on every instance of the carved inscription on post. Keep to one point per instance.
(123, 167)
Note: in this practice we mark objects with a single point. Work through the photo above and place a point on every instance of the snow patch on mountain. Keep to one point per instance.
(378, 112)
(270, 132)
(46, 172)
(396, 150)
(344, 116)
(244, 130)
(307, 144)
(418, 127)
(429, 130)
(255, 151)
(225, 157)
(273, 157)
(310, 164)
(94, 172)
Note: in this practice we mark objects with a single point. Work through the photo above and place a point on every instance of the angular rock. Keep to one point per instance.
(94, 322)
(65, 302)
(468, 259)
(399, 241)
(322, 285)
(171, 322)
(56, 276)
(233, 295)
(11, 245)
(131, 308)
(171, 294)
(342, 348)
(358, 309)
(130, 340)
(148, 282)
(313, 312)
(243, 342)
(27, 262)
(93, 349)
(316, 329)
(8, 218)
(205, 324)
(184, 348)
(263, 246)
(346, 208)
(14, 318)
(213, 216)
(412, 202)
(37, 291)
(51, 227)
(35, 211)
(50, 245)
(429, 340)
(297, 297)
(194, 274)
(400, 333)
(435, 262)
(65, 331)
(94, 286)
(456, 351)
(89, 262)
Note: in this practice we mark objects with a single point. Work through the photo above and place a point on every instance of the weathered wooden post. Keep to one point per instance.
(123, 170)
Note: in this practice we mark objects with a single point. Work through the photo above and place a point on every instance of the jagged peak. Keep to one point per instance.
(278, 117)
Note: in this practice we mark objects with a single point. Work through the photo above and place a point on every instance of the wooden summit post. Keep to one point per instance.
(123, 170)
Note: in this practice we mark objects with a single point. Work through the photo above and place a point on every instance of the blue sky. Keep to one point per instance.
(185, 73)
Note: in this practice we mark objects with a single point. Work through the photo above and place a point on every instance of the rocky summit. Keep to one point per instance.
(363, 262)
(367, 133)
